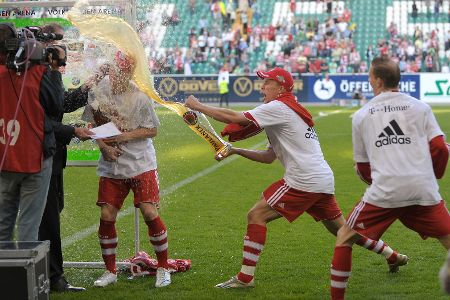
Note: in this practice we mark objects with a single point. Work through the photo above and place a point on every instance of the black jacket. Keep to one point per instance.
(64, 133)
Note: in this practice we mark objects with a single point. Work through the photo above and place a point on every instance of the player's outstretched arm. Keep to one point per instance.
(263, 156)
(223, 115)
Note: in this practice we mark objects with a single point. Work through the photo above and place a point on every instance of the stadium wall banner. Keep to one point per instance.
(327, 89)
(204, 87)
(435, 87)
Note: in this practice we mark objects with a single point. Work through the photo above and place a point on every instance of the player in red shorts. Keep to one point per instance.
(128, 162)
(308, 182)
(400, 151)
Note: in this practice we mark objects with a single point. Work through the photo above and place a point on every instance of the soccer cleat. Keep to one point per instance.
(235, 283)
(162, 277)
(401, 261)
(105, 279)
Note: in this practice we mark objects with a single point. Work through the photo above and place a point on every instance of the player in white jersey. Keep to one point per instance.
(400, 151)
(308, 182)
(128, 162)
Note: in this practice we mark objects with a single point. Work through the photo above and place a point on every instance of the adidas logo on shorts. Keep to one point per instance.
(392, 134)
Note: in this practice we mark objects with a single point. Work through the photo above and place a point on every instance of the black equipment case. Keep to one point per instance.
(24, 270)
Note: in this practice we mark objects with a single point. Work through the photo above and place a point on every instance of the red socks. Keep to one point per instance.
(108, 243)
(253, 244)
(378, 247)
(158, 238)
(340, 271)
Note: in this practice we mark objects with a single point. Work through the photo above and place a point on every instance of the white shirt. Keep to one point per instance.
(392, 133)
(296, 146)
(130, 110)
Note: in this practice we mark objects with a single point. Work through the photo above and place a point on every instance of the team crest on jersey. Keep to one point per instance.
(311, 134)
(392, 134)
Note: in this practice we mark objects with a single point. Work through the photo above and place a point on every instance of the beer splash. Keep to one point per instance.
(116, 31)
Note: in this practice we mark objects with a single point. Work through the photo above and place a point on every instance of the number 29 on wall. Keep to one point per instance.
(12, 130)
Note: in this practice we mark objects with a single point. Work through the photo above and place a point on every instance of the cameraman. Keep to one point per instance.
(50, 225)
(30, 103)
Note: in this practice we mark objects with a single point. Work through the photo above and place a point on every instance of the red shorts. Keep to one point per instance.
(428, 221)
(291, 203)
(145, 188)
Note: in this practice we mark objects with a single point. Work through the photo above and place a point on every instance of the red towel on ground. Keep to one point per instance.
(237, 132)
(142, 264)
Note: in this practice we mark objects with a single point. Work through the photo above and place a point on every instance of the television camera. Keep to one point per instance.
(31, 46)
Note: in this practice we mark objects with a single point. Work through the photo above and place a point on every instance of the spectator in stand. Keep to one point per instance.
(355, 60)
(341, 69)
(363, 67)
(192, 4)
(329, 6)
(415, 11)
(393, 30)
(244, 21)
(370, 53)
(402, 64)
(436, 9)
(187, 67)
(292, 6)
(314, 66)
(429, 63)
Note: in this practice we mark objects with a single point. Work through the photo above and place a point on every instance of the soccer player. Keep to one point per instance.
(400, 151)
(128, 162)
(308, 182)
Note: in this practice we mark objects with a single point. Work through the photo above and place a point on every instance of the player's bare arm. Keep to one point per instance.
(263, 156)
(109, 153)
(220, 114)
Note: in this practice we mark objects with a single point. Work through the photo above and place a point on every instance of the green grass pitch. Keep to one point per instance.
(206, 220)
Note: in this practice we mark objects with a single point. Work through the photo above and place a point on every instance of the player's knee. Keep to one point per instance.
(344, 235)
(108, 212)
(149, 211)
(253, 217)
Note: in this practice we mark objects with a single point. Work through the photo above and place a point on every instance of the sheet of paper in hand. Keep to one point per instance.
(105, 131)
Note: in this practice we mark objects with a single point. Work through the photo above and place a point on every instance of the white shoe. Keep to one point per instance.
(235, 283)
(105, 279)
(401, 261)
(162, 277)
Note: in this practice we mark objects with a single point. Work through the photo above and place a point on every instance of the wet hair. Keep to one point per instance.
(51, 27)
(387, 70)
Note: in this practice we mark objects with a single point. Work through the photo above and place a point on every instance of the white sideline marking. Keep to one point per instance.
(129, 210)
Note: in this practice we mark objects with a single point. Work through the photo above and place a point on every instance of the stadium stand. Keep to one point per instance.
(199, 37)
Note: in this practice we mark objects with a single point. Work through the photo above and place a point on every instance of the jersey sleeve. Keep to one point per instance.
(432, 128)
(268, 114)
(439, 151)
(146, 116)
(359, 149)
